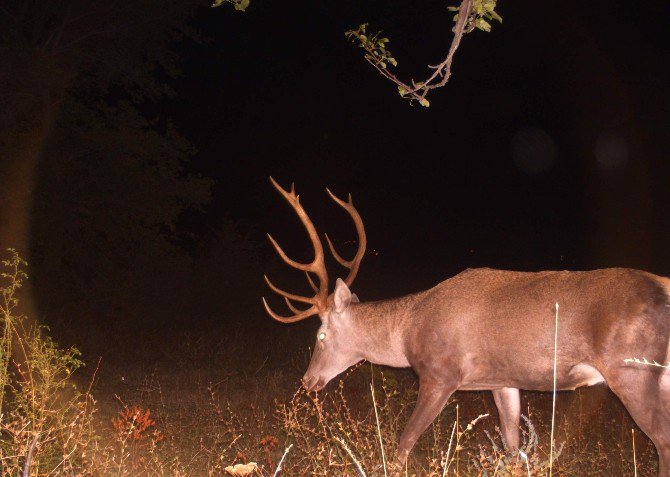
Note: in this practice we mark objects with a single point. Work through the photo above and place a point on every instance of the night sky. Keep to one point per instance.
(547, 149)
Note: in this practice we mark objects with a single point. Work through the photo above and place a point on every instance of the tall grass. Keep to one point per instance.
(553, 400)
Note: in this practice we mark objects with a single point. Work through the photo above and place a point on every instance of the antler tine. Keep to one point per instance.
(338, 257)
(311, 283)
(287, 295)
(312, 310)
(294, 202)
(290, 306)
(317, 266)
(354, 263)
(300, 266)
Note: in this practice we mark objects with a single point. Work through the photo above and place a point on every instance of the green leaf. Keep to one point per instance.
(424, 102)
(239, 5)
(483, 25)
(242, 5)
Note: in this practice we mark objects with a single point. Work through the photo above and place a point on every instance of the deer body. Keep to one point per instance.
(493, 330)
(497, 327)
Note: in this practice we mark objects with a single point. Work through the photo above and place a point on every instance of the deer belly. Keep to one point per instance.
(537, 380)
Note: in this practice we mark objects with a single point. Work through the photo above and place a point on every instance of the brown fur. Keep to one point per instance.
(493, 330)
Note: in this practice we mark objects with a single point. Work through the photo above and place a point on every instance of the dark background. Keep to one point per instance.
(284, 94)
(546, 150)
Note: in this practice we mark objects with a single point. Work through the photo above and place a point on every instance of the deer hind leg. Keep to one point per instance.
(508, 403)
(433, 396)
(646, 395)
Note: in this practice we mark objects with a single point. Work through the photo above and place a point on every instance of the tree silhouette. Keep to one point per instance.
(78, 81)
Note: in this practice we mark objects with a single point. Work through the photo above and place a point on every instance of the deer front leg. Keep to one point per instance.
(509, 410)
(433, 396)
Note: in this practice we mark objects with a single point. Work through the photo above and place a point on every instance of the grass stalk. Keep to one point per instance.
(525, 458)
(446, 459)
(634, 456)
(497, 468)
(379, 430)
(357, 463)
(458, 441)
(553, 404)
(281, 461)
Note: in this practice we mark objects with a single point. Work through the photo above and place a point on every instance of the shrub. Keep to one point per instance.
(45, 422)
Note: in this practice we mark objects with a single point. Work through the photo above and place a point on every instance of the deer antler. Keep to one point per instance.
(318, 267)
(320, 301)
(354, 263)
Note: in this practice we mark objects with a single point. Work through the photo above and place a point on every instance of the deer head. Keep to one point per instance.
(333, 350)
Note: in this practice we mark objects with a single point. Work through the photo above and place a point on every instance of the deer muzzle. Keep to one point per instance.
(312, 383)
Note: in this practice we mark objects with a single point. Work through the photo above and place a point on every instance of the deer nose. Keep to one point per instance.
(310, 383)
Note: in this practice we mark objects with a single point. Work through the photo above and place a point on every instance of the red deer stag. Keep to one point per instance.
(493, 330)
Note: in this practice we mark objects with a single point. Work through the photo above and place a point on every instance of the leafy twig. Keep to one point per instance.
(239, 5)
(471, 14)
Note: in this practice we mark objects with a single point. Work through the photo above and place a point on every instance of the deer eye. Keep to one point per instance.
(322, 336)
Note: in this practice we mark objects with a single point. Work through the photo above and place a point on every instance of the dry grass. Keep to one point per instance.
(194, 429)
(207, 428)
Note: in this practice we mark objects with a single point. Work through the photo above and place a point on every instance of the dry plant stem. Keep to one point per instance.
(497, 466)
(29, 457)
(87, 396)
(346, 448)
(442, 71)
(278, 469)
(15, 278)
(446, 458)
(63, 460)
(644, 361)
(5, 353)
(525, 457)
(634, 456)
(458, 440)
(553, 404)
(379, 431)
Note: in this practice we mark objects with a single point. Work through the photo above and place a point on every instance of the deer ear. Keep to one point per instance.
(342, 296)
(354, 298)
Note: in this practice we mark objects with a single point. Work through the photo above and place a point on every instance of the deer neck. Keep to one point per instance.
(379, 335)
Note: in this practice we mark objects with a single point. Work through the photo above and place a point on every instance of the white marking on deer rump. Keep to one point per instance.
(583, 375)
